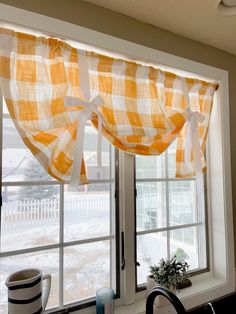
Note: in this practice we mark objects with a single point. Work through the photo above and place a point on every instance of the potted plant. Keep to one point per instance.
(169, 274)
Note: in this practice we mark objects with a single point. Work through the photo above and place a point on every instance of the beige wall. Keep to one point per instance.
(105, 21)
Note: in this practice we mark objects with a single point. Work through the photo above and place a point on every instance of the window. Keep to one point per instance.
(168, 221)
(219, 280)
(71, 235)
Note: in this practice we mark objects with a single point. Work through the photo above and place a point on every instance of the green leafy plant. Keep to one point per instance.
(169, 273)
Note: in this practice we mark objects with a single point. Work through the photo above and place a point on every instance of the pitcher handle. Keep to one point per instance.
(46, 290)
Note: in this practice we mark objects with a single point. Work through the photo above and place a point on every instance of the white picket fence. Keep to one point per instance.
(77, 208)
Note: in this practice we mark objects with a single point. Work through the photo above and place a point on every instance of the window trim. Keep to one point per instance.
(220, 280)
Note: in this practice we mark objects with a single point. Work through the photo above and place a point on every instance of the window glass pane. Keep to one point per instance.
(18, 162)
(184, 241)
(172, 159)
(150, 205)
(87, 212)
(182, 202)
(30, 216)
(163, 204)
(150, 249)
(150, 166)
(86, 269)
(90, 155)
(47, 261)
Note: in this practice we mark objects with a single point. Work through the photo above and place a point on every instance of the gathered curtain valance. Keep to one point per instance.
(49, 86)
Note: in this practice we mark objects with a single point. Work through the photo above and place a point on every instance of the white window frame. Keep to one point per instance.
(62, 244)
(200, 222)
(220, 280)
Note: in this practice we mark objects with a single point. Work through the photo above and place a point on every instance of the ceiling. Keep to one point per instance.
(196, 19)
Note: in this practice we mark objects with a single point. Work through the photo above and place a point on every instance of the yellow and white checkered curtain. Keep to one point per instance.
(144, 109)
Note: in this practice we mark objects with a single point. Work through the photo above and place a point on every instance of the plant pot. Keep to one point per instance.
(160, 301)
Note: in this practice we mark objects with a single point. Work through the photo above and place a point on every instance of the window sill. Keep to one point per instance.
(204, 288)
(202, 291)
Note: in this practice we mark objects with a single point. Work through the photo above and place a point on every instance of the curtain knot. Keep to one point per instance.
(192, 143)
(81, 117)
(195, 117)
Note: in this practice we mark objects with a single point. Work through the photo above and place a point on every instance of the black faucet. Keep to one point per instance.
(174, 300)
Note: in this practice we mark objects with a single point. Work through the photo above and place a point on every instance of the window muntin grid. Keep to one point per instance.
(167, 217)
(63, 249)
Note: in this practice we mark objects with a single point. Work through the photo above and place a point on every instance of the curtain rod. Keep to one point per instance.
(17, 27)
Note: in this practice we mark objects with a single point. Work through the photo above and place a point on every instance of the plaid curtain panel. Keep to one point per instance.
(144, 109)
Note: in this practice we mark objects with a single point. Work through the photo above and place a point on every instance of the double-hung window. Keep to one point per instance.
(71, 235)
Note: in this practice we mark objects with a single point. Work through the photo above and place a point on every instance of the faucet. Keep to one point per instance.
(211, 307)
(174, 300)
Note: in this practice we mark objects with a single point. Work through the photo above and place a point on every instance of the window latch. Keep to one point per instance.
(122, 251)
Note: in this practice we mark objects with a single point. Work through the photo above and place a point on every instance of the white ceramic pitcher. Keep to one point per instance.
(25, 294)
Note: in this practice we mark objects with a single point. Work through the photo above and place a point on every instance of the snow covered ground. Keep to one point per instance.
(86, 266)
